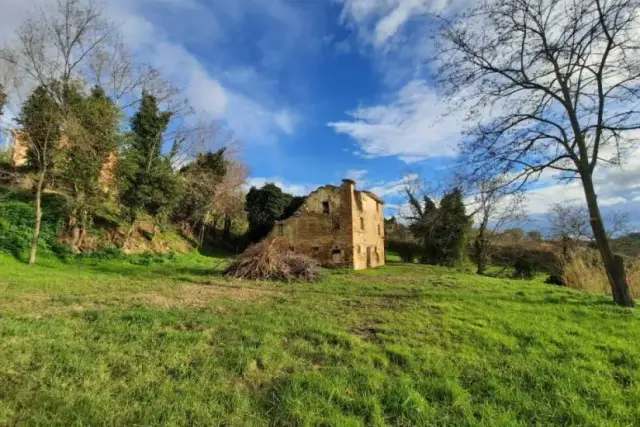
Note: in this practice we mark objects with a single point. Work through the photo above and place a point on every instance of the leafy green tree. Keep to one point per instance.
(455, 228)
(148, 183)
(266, 205)
(92, 138)
(41, 120)
(443, 230)
(424, 225)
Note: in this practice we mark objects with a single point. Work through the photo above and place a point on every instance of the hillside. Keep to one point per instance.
(106, 232)
(112, 343)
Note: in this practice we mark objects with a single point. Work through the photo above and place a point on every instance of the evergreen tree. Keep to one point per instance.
(148, 126)
(148, 183)
(41, 121)
(454, 230)
(442, 230)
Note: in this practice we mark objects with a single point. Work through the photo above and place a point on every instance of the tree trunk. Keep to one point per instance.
(482, 261)
(613, 265)
(480, 247)
(37, 220)
(82, 232)
(227, 228)
(203, 227)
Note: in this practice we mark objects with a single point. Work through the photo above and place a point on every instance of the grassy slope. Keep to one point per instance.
(118, 344)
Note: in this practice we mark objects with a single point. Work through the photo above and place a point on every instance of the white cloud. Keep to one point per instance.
(614, 186)
(394, 187)
(287, 187)
(254, 119)
(357, 175)
(379, 21)
(285, 120)
(249, 118)
(413, 126)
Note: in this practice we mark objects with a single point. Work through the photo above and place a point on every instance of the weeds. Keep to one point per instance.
(584, 271)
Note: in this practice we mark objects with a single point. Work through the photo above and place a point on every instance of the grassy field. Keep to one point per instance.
(110, 343)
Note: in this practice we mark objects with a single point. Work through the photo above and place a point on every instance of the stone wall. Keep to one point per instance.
(18, 148)
(368, 231)
(18, 152)
(329, 224)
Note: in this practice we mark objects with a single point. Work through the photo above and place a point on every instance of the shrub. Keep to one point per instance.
(524, 267)
(544, 257)
(266, 261)
(407, 250)
(16, 226)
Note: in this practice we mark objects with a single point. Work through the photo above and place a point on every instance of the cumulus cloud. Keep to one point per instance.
(394, 187)
(379, 21)
(358, 175)
(414, 125)
(614, 186)
(156, 41)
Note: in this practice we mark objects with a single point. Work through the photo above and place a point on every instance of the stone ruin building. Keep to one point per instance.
(338, 226)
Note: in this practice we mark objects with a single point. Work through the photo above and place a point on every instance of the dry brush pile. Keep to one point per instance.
(265, 261)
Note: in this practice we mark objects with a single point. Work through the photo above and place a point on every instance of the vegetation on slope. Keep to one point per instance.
(104, 236)
(112, 343)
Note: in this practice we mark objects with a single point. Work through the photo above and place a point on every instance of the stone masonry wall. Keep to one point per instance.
(328, 226)
(368, 231)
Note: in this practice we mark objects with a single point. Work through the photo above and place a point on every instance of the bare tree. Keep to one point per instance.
(570, 224)
(53, 48)
(549, 86)
(3, 99)
(496, 208)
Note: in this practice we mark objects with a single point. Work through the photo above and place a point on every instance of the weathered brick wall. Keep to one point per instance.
(329, 224)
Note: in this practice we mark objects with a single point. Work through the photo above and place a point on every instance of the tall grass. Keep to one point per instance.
(586, 272)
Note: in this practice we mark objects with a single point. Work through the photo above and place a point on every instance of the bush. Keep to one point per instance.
(16, 225)
(407, 250)
(544, 257)
(266, 261)
(524, 267)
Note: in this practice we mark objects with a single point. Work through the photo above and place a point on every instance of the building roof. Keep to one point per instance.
(373, 196)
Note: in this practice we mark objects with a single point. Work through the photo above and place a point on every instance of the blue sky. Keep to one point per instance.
(319, 90)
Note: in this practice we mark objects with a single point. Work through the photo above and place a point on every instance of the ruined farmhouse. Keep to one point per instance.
(338, 226)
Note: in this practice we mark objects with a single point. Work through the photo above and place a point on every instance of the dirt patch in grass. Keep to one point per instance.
(200, 295)
(368, 333)
(38, 304)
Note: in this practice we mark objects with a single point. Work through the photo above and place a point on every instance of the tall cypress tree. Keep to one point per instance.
(148, 183)
(148, 126)
(455, 228)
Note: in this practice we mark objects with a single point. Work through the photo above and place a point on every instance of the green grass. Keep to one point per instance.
(111, 343)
